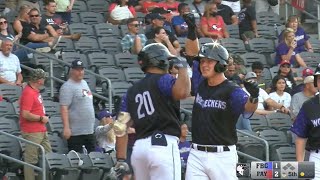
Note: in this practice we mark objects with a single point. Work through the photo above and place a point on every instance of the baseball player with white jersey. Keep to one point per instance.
(217, 107)
(307, 128)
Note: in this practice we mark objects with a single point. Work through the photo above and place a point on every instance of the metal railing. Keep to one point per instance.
(250, 135)
(53, 78)
(43, 163)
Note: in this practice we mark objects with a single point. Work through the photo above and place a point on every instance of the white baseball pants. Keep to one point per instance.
(315, 157)
(156, 162)
(212, 165)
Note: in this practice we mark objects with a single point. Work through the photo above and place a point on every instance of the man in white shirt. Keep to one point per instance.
(10, 71)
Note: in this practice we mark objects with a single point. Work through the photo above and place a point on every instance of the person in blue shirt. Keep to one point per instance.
(179, 24)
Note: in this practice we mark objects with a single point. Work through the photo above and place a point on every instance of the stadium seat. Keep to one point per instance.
(286, 154)
(97, 6)
(55, 124)
(9, 147)
(10, 92)
(268, 18)
(75, 18)
(233, 31)
(251, 57)
(44, 62)
(205, 40)
(88, 171)
(274, 71)
(140, 17)
(86, 45)
(133, 74)
(258, 122)
(83, 29)
(65, 45)
(52, 108)
(9, 125)
(107, 30)
(102, 161)
(187, 103)
(311, 59)
(110, 45)
(261, 45)
(250, 146)
(100, 59)
(113, 74)
(233, 45)
(279, 121)
(120, 88)
(79, 6)
(59, 167)
(71, 56)
(6, 108)
(91, 18)
(91, 80)
(315, 44)
(267, 32)
(58, 144)
(125, 60)
(16, 108)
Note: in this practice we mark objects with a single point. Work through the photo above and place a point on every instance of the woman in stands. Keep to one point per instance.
(301, 36)
(120, 11)
(211, 24)
(162, 37)
(287, 50)
(278, 92)
(285, 72)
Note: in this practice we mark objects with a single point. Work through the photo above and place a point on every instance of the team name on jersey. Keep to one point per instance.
(316, 122)
(299, 37)
(210, 103)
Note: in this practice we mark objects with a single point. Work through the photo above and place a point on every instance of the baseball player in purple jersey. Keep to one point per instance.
(217, 107)
(307, 128)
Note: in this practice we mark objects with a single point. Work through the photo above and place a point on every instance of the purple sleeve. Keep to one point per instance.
(123, 106)
(282, 49)
(300, 126)
(165, 84)
(238, 100)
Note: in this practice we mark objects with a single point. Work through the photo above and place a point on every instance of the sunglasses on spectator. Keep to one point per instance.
(4, 22)
(135, 25)
(37, 15)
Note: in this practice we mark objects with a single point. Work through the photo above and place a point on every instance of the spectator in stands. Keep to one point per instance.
(264, 99)
(197, 7)
(211, 24)
(285, 71)
(287, 50)
(10, 71)
(56, 21)
(184, 147)
(231, 70)
(30, 3)
(233, 4)
(239, 65)
(133, 42)
(158, 21)
(77, 111)
(299, 88)
(33, 120)
(278, 94)
(120, 12)
(64, 9)
(263, 6)
(10, 5)
(226, 13)
(179, 24)
(106, 139)
(301, 37)
(299, 98)
(257, 67)
(173, 70)
(148, 6)
(35, 32)
(4, 30)
(247, 22)
(161, 36)
(171, 5)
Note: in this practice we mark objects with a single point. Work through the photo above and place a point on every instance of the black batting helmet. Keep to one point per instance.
(316, 73)
(217, 53)
(154, 55)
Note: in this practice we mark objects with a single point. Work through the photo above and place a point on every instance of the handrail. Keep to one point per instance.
(42, 170)
(247, 134)
(52, 78)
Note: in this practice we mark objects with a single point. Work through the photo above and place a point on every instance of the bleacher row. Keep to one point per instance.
(274, 128)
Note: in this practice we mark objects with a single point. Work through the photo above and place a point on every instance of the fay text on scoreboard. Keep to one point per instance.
(276, 170)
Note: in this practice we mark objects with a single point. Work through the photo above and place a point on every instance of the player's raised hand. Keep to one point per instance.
(179, 62)
(252, 88)
(190, 20)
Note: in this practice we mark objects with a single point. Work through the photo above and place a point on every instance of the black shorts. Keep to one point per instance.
(76, 143)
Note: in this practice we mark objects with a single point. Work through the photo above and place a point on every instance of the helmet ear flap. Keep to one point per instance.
(219, 68)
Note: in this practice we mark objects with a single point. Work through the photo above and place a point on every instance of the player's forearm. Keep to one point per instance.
(65, 116)
(192, 47)
(182, 86)
(300, 148)
(121, 147)
(250, 107)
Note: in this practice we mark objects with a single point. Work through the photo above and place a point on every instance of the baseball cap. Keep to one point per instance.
(38, 74)
(308, 79)
(250, 75)
(77, 64)
(307, 72)
(156, 16)
(284, 62)
(103, 114)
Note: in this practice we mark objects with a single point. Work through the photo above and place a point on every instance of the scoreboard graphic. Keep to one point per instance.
(276, 170)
